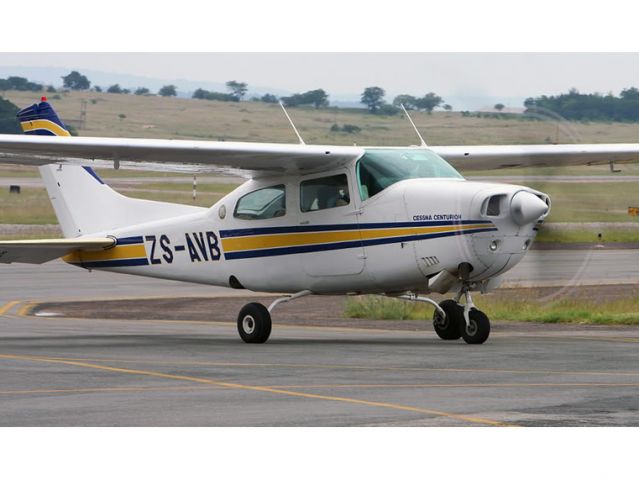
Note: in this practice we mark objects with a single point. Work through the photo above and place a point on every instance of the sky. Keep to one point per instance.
(347, 74)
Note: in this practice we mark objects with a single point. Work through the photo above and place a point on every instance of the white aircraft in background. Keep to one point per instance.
(311, 219)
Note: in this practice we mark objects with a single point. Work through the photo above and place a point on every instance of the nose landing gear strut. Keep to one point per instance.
(464, 321)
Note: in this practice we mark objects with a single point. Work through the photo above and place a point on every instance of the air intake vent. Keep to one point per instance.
(493, 205)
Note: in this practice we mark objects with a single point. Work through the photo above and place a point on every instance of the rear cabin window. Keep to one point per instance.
(269, 202)
(323, 193)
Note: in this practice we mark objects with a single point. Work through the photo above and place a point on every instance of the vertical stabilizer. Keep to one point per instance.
(41, 119)
(85, 205)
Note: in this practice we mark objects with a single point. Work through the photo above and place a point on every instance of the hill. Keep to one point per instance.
(159, 117)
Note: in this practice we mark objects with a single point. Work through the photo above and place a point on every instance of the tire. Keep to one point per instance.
(449, 328)
(479, 328)
(254, 323)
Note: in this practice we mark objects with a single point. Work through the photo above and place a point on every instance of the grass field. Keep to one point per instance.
(159, 117)
(256, 121)
(623, 311)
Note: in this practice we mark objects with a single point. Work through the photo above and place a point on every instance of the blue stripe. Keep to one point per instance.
(127, 262)
(93, 174)
(243, 232)
(272, 252)
(129, 240)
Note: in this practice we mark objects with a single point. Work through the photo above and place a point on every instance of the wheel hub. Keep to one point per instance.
(248, 324)
(471, 328)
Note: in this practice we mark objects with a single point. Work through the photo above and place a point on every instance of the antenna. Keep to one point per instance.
(413, 124)
(293, 125)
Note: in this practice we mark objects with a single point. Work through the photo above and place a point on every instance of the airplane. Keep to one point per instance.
(309, 220)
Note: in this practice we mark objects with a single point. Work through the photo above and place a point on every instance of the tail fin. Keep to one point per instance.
(41, 119)
(85, 205)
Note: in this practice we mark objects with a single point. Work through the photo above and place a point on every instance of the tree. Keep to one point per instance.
(8, 121)
(499, 107)
(142, 91)
(76, 81)
(409, 102)
(448, 107)
(269, 98)
(429, 102)
(202, 94)
(114, 88)
(97, 89)
(237, 89)
(318, 98)
(373, 98)
(19, 83)
(168, 91)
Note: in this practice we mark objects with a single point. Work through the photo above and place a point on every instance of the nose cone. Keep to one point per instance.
(526, 208)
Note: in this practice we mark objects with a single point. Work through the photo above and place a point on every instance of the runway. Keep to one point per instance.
(57, 281)
(96, 372)
(92, 372)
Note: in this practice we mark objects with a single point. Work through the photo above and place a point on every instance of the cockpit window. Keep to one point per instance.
(378, 169)
(262, 204)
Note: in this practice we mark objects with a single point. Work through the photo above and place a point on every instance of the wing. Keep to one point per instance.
(41, 251)
(488, 157)
(246, 159)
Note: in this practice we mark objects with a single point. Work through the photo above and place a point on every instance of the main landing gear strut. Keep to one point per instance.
(254, 321)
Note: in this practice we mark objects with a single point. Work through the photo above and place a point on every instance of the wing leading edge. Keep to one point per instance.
(488, 157)
(247, 159)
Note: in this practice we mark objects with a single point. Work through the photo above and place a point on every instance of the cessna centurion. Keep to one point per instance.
(311, 219)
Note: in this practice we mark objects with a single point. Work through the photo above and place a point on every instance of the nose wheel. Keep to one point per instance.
(463, 321)
(449, 325)
(477, 330)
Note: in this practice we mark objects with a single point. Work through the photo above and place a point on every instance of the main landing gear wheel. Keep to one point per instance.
(450, 327)
(254, 323)
(478, 329)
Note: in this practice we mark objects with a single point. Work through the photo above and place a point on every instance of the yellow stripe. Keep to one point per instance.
(8, 306)
(53, 127)
(115, 253)
(256, 388)
(26, 309)
(296, 239)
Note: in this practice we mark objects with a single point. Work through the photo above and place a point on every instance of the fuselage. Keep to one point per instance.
(358, 228)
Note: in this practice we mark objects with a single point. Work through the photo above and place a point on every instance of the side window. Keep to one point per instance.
(325, 192)
(261, 204)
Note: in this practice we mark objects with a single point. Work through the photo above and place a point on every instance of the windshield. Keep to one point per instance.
(378, 169)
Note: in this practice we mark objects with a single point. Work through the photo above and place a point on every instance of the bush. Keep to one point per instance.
(387, 109)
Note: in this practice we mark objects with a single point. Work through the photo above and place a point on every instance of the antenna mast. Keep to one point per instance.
(413, 124)
(292, 124)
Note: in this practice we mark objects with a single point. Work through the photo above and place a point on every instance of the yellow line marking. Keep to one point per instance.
(255, 388)
(103, 389)
(344, 367)
(460, 385)
(8, 306)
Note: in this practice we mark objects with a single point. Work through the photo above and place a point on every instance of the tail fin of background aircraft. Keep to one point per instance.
(41, 119)
(85, 205)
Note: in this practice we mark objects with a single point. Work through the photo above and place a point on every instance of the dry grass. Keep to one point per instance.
(158, 117)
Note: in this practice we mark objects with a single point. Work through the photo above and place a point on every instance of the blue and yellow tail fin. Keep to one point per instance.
(41, 119)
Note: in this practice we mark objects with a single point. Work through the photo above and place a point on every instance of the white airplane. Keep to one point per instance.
(311, 219)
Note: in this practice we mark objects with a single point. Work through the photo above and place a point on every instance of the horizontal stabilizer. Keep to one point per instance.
(41, 251)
